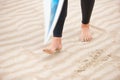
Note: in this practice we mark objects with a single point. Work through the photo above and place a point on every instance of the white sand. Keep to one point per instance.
(21, 43)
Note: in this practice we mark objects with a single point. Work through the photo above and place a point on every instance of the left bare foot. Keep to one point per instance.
(56, 45)
(85, 35)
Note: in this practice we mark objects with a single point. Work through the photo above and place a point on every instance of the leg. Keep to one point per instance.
(57, 33)
(87, 7)
(59, 26)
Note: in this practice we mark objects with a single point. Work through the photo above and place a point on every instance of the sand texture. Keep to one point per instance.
(21, 43)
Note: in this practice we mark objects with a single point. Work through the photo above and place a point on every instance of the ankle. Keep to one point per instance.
(56, 40)
(85, 26)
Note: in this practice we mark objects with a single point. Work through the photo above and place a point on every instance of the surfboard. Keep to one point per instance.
(52, 10)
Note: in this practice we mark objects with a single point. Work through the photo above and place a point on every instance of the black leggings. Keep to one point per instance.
(86, 6)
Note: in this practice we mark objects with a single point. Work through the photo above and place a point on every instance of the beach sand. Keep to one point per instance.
(22, 37)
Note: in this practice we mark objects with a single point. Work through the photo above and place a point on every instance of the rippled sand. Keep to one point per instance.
(21, 43)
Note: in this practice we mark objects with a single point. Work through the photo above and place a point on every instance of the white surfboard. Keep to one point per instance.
(51, 23)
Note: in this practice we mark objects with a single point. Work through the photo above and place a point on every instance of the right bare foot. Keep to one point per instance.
(55, 45)
(85, 35)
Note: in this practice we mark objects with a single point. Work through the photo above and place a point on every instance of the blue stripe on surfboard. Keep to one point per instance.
(54, 5)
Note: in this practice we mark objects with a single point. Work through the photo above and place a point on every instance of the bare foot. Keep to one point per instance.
(55, 44)
(85, 35)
